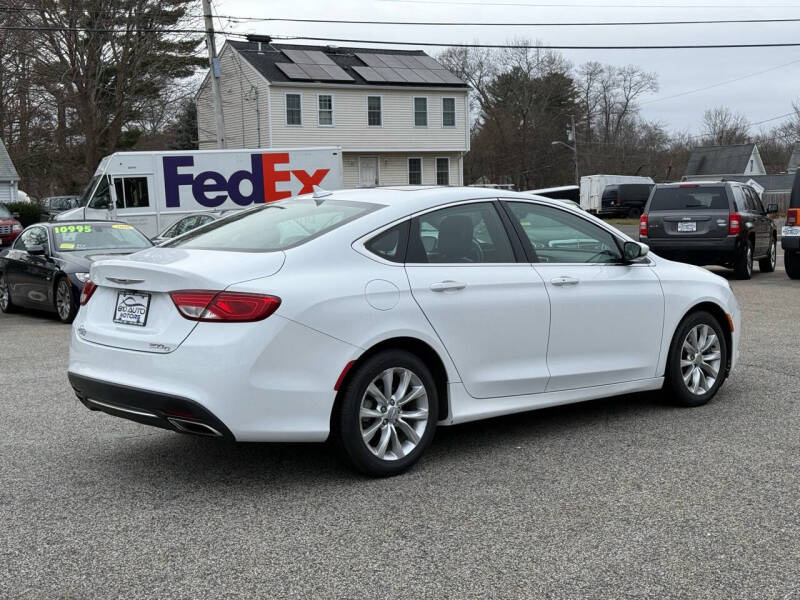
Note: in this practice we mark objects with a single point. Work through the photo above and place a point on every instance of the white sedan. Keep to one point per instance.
(373, 316)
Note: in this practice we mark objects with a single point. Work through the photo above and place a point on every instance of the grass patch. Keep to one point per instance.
(615, 221)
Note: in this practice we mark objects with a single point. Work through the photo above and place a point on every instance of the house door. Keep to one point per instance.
(368, 171)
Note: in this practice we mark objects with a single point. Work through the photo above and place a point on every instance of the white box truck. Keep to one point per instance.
(152, 190)
(592, 187)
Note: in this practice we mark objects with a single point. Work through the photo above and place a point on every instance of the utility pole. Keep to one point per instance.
(575, 151)
(213, 63)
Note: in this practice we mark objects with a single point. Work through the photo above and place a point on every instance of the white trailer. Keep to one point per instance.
(592, 187)
(152, 190)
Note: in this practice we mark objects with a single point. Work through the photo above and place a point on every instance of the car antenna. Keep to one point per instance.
(320, 194)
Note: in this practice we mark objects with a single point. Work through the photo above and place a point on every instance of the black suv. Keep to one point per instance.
(625, 199)
(711, 223)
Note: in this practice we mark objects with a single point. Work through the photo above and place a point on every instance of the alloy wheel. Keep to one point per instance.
(773, 254)
(393, 413)
(4, 297)
(701, 357)
(63, 299)
(749, 259)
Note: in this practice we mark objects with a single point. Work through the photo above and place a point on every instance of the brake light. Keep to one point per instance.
(88, 289)
(643, 225)
(689, 185)
(793, 216)
(207, 305)
(734, 223)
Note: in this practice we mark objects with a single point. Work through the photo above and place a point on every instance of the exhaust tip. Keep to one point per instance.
(193, 427)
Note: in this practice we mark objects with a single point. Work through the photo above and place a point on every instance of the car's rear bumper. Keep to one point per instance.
(267, 381)
(790, 241)
(700, 252)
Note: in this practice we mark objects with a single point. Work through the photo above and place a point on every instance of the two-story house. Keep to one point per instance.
(400, 117)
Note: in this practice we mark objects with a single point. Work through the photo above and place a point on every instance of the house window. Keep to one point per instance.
(443, 171)
(325, 104)
(294, 115)
(414, 171)
(448, 112)
(420, 112)
(374, 116)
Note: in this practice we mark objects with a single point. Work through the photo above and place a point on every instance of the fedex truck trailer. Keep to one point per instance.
(152, 190)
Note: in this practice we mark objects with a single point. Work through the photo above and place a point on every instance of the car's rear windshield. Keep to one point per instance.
(76, 237)
(4, 212)
(689, 198)
(276, 226)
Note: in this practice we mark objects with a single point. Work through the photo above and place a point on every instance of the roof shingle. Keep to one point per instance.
(719, 160)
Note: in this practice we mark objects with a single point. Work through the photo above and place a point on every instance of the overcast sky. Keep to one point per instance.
(759, 97)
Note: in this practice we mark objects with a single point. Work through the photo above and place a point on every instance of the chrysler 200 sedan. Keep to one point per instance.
(374, 316)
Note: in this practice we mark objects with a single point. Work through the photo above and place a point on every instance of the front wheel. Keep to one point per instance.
(767, 264)
(5, 296)
(65, 304)
(743, 265)
(698, 359)
(388, 413)
(791, 258)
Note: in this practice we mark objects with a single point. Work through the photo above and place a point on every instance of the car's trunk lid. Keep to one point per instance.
(689, 212)
(141, 283)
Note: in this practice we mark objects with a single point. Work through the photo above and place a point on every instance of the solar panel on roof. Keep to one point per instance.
(391, 61)
(292, 71)
(448, 76)
(428, 62)
(389, 74)
(369, 74)
(299, 57)
(318, 58)
(371, 60)
(410, 62)
(315, 71)
(336, 73)
(411, 75)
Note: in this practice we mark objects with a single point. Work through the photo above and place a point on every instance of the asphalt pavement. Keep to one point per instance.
(617, 498)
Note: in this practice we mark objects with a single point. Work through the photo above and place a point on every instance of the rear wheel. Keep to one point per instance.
(5, 296)
(791, 258)
(388, 413)
(698, 359)
(634, 212)
(743, 265)
(65, 304)
(767, 264)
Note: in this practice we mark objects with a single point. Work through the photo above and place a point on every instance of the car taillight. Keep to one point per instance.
(793, 216)
(88, 289)
(205, 305)
(734, 223)
(643, 225)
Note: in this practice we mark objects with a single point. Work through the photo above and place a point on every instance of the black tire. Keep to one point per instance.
(64, 300)
(674, 384)
(6, 305)
(791, 259)
(634, 212)
(348, 426)
(767, 264)
(743, 265)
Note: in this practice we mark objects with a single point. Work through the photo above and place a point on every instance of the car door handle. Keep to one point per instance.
(559, 281)
(447, 286)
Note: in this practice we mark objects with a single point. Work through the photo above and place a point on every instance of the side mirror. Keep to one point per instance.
(772, 209)
(35, 250)
(634, 250)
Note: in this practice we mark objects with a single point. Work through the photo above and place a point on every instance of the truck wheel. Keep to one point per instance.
(767, 264)
(792, 260)
(635, 212)
(5, 296)
(743, 265)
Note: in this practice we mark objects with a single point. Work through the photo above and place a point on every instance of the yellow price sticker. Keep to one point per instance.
(121, 226)
(67, 246)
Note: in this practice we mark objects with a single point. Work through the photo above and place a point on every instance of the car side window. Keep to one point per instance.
(739, 199)
(757, 206)
(558, 236)
(102, 195)
(467, 233)
(752, 205)
(390, 244)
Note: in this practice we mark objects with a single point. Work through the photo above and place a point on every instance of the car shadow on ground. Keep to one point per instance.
(212, 463)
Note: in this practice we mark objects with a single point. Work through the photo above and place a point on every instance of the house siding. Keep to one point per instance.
(393, 167)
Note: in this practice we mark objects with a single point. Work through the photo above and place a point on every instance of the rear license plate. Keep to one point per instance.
(132, 308)
(789, 231)
(687, 226)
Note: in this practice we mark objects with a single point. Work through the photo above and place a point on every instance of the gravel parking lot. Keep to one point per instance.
(617, 498)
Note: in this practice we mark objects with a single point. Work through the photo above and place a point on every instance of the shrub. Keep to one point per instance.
(29, 212)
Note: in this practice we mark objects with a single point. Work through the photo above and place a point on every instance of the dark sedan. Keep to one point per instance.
(55, 205)
(49, 263)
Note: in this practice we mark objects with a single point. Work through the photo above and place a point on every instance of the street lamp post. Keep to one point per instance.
(573, 149)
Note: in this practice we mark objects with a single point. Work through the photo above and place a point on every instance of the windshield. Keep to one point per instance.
(98, 236)
(84, 199)
(276, 226)
(62, 202)
(4, 212)
(682, 198)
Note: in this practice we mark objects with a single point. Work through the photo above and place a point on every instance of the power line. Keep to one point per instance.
(721, 83)
(113, 31)
(547, 47)
(516, 24)
(574, 5)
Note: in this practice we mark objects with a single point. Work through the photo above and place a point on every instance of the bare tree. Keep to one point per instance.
(722, 127)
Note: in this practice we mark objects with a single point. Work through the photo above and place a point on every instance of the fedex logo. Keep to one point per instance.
(212, 189)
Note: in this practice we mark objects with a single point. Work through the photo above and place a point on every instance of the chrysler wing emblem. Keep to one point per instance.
(123, 281)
